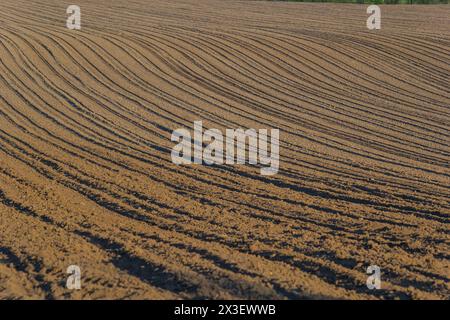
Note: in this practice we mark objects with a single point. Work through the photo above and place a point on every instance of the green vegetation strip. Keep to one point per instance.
(379, 1)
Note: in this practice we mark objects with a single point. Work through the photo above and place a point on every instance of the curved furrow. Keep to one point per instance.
(87, 178)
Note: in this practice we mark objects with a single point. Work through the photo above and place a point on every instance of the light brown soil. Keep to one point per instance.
(86, 176)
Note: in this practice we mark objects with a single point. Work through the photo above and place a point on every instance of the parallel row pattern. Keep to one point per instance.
(86, 176)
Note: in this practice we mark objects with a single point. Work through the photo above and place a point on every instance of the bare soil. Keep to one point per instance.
(86, 176)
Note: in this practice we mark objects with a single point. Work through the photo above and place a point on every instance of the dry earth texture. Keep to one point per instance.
(86, 176)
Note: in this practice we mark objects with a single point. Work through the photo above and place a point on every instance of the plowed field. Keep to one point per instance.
(86, 176)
